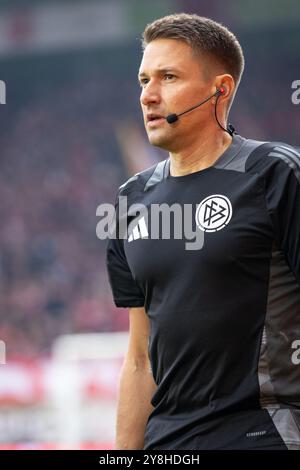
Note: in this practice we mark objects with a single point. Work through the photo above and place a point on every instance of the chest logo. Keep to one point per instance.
(213, 213)
(139, 230)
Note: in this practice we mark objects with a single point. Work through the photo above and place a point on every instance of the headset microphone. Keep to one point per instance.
(174, 117)
(171, 118)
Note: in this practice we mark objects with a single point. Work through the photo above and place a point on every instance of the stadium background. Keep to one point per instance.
(71, 132)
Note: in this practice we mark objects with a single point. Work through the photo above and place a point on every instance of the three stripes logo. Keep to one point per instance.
(139, 230)
(289, 156)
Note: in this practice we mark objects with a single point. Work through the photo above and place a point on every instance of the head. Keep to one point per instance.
(186, 58)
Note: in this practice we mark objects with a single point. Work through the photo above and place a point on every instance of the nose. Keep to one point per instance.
(150, 94)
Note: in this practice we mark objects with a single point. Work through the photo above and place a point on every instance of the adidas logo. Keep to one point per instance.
(139, 230)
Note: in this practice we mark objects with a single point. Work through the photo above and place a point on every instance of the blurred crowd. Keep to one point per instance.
(59, 161)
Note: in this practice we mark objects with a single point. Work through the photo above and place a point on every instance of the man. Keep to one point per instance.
(213, 358)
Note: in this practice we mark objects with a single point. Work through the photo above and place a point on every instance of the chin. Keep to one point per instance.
(159, 141)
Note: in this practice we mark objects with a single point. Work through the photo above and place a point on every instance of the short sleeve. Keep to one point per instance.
(283, 203)
(126, 291)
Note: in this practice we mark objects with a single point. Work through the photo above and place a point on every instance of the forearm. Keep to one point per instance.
(136, 389)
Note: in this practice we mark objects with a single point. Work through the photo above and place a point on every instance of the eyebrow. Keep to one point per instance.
(160, 71)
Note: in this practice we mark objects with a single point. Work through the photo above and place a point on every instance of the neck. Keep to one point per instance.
(202, 154)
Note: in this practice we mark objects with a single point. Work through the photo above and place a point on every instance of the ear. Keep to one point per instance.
(226, 82)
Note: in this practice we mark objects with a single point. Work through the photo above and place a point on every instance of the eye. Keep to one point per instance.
(143, 81)
(169, 76)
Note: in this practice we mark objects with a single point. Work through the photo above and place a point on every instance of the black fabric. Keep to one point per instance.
(207, 307)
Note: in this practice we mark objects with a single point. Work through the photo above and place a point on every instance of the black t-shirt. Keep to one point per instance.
(225, 318)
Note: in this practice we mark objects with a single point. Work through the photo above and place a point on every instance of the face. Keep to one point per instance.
(173, 79)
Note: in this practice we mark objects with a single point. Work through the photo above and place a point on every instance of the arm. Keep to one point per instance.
(137, 385)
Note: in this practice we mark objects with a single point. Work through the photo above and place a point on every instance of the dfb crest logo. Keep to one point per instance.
(213, 213)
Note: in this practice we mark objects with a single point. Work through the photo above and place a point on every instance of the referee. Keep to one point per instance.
(214, 351)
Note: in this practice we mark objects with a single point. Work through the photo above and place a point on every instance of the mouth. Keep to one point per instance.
(154, 119)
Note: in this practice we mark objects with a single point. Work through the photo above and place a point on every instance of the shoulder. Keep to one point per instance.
(145, 179)
(275, 156)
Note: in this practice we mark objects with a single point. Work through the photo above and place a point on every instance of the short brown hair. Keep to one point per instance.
(204, 36)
